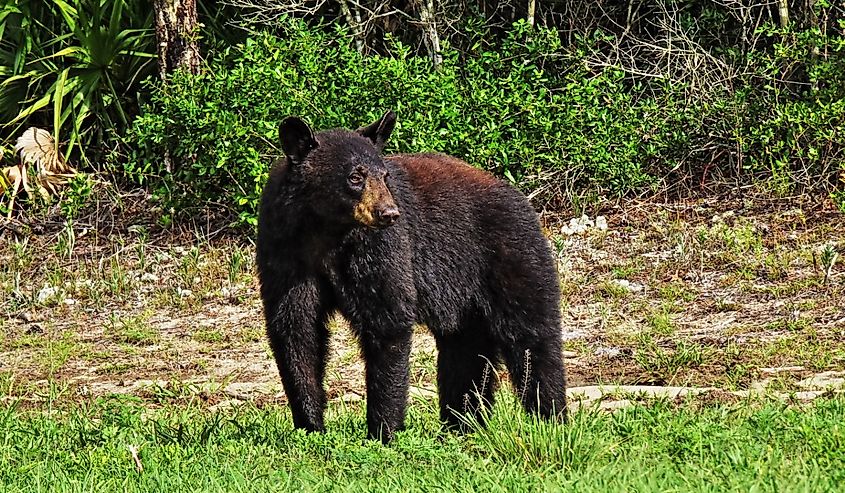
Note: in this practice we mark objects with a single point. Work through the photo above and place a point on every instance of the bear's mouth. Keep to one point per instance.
(383, 225)
(378, 223)
(376, 217)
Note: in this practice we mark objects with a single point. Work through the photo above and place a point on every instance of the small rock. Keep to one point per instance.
(824, 380)
(615, 405)
(69, 301)
(184, 293)
(351, 397)
(421, 392)
(227, 404)
(760, 386)
(608, 352)
(46, 293)
(781, 369)
(569, 335)
(149, 277)
(663, 392)
(593, 392)
(577, 225)
(601, 223)
(588, 393)
(720, 218)
(627, 285)
(569, 354)
(808, 395)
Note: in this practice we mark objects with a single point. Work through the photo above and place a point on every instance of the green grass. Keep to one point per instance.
(660, 322)
(208, 335)
(661, 447)
(663, 364)
(132, 330)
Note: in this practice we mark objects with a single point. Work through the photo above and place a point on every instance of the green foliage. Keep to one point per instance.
(76, 196)
(75, 66)
(525, 107)
(838, 198)
(788, 109)
(499, 108)
(520, 101)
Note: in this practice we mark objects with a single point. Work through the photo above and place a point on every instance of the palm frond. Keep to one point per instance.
(82, 59)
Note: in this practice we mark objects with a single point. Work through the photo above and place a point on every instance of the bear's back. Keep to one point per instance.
(477, 241)
(448, 185)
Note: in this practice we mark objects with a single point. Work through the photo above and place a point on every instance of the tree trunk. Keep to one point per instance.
(816, 52)
(783, 13)
(354, 23)
(430, 36)
(176, 33)
(532, 8)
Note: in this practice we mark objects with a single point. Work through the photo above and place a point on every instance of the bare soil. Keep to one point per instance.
(729, 295)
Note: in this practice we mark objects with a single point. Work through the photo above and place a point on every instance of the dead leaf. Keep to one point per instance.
(36, 146)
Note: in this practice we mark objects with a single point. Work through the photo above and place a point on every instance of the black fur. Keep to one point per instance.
(422, 239)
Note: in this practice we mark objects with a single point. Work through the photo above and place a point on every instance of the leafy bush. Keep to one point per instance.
(526, 108)
(498, 108)
(798, 129)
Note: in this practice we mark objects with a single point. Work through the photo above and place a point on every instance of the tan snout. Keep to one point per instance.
(376, 209)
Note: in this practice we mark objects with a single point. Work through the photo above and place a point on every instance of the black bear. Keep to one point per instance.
(389, 241)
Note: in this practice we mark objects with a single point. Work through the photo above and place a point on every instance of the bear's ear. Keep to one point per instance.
(297, 139)
(379, 131)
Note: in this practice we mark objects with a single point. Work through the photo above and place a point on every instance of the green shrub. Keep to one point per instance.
(525, 108)
(497, 108)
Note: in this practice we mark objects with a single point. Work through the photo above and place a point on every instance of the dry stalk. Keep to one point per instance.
(526, 377)
(133, 450)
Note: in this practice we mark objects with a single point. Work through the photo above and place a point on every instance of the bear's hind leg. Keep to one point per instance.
(538, 376)
(466, 375)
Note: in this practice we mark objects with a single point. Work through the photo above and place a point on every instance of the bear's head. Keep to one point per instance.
(342, 172)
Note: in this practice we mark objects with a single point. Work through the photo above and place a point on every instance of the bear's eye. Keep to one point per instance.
(356, 178)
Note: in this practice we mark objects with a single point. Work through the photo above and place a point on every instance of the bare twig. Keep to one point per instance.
(271, 11)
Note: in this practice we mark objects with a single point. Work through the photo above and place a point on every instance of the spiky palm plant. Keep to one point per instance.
(75, 65)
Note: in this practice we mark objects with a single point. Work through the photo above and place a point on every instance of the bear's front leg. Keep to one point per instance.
(296, 328)
(387, 360)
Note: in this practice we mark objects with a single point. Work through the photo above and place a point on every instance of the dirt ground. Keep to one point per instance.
(726, 294)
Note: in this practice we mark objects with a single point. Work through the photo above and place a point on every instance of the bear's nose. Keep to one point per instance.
(388, 215)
